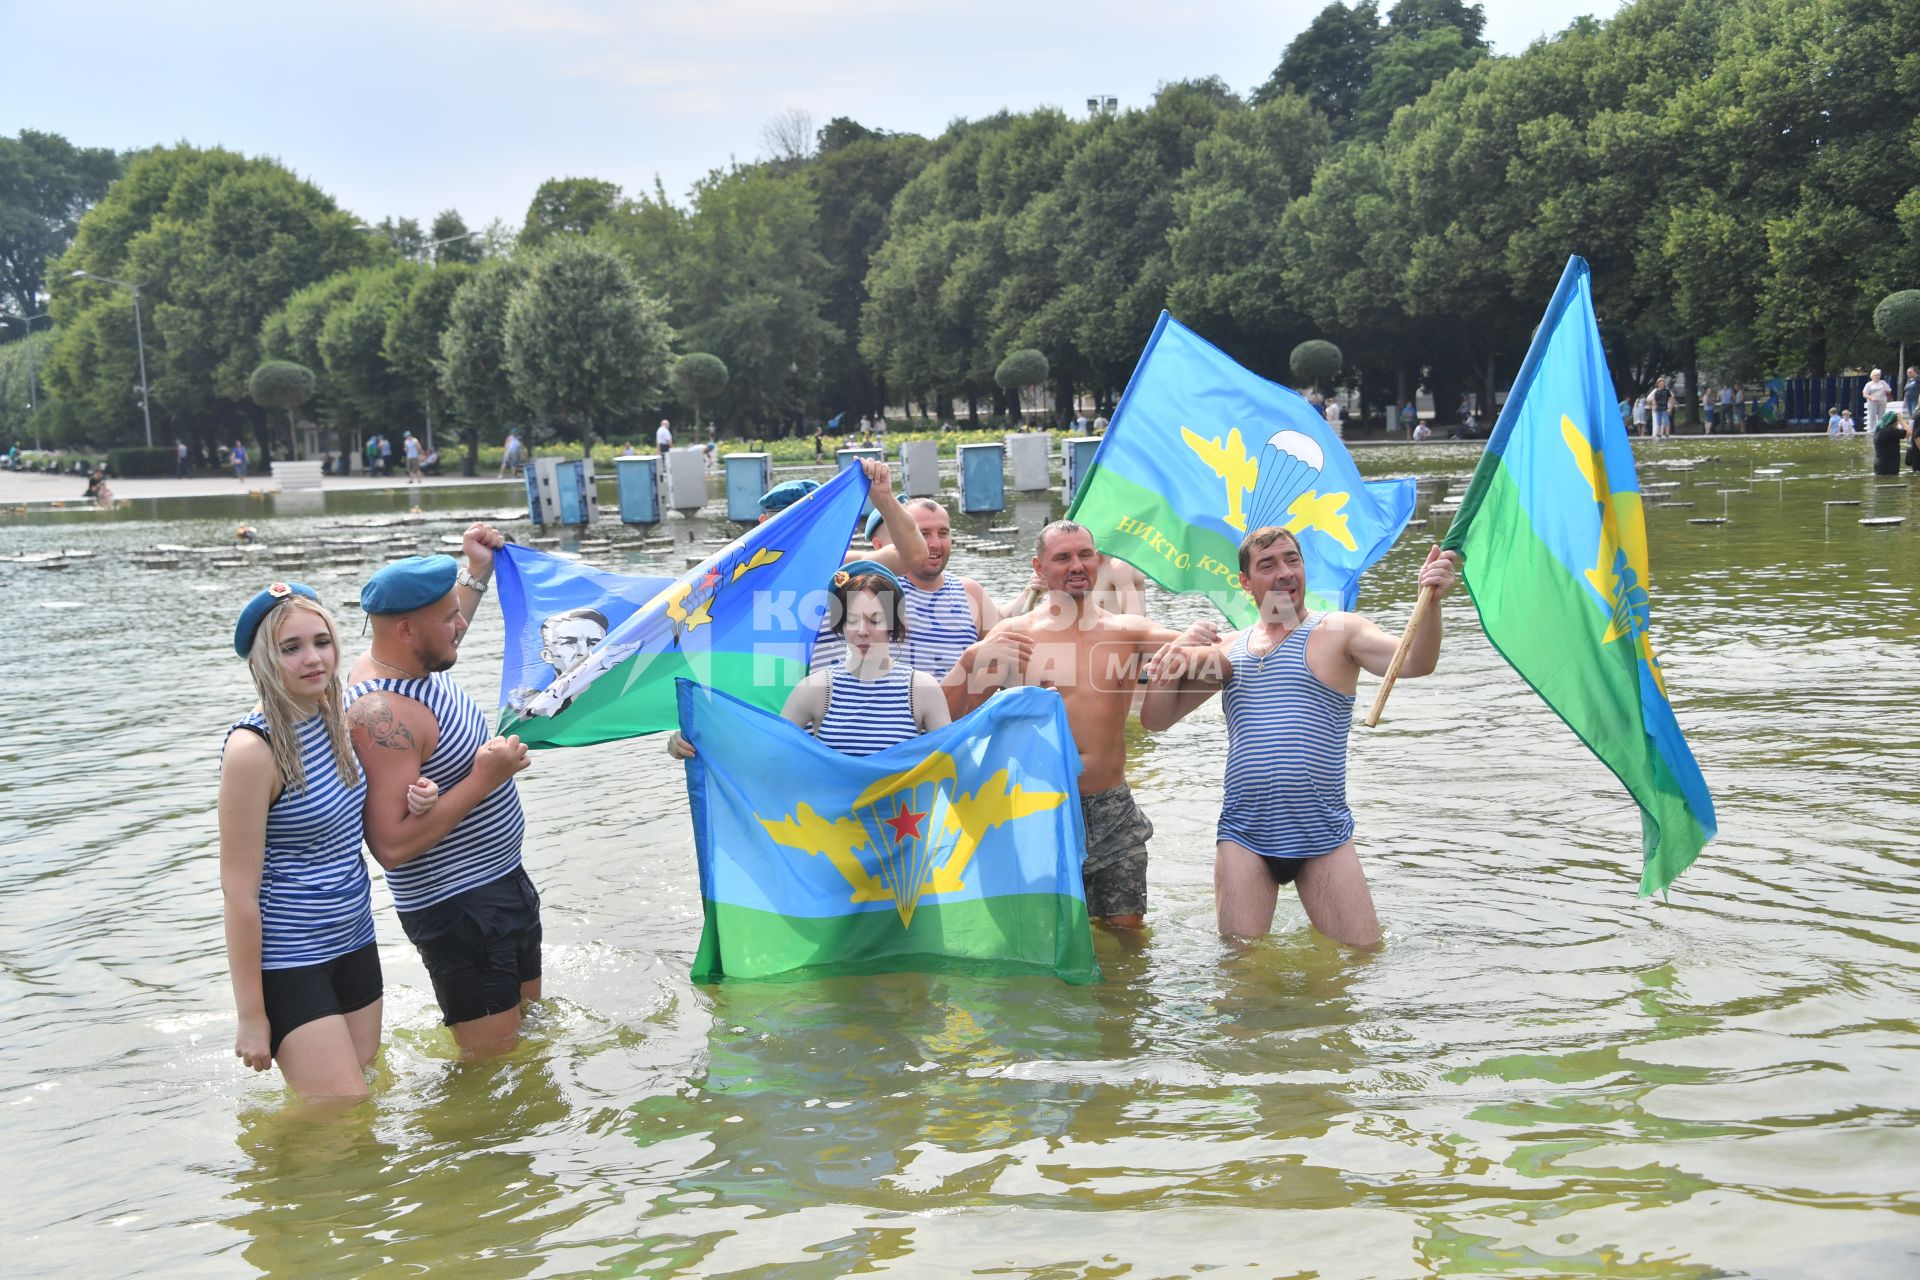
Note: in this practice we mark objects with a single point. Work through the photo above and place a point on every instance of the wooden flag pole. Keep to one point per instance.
(1420, 610)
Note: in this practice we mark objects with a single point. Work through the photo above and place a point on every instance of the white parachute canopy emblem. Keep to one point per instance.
(1289, 465)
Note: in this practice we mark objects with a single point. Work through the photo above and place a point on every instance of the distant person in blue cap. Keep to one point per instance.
(461, 893)
(866, 701)
(298, 903)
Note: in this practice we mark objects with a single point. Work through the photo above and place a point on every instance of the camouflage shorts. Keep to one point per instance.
(1115, 870)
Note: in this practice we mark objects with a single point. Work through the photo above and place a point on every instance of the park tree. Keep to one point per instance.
(568, 207)
(853, 178)
(1316, 362)
(1327, 63)
(700, 377)
(473, 353)
(1018, 372)
(353, 344)
(411, 346)
(456, 243)
(1115, 267)
(743, 275)
(284, 385)
(293, 333)
(217, 242)
(1228, 259)
(584, 342)
(46, 185)
(1897, 319)
(25, 417)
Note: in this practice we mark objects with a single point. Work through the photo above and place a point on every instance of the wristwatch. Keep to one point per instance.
(470, 582)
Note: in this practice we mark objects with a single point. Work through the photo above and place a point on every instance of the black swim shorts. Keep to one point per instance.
(479, 946)
(1283, 870)
(295, 997)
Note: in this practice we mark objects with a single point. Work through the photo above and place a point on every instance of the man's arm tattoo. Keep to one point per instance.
(373, 715)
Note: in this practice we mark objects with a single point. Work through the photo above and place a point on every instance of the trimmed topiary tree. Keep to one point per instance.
(1021, 369)
(282, 384)
(1897, 319)
(700, 377)
(1316, 361)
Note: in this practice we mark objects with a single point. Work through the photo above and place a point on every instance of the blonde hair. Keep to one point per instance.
(277, 705)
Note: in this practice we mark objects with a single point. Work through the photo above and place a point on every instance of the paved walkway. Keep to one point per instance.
(32, 487)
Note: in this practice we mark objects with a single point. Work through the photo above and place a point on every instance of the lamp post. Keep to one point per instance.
(33, 391)
(146, 414)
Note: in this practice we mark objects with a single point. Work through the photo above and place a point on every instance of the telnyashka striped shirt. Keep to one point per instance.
(940, 625)
(484, 845)
(316, 902)
(865, 716)
(1286, 792)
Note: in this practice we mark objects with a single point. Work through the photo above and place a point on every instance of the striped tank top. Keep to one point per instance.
(940, 625)
(865, 716)
(829, 647)
(316, 902)
(1286, 792)
(484, 845)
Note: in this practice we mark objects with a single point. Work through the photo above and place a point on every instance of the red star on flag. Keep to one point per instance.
(713, 576)
(904, 823)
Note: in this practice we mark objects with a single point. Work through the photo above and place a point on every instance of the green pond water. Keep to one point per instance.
(1540, 1075)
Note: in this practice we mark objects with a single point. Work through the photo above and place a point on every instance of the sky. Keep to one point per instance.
(403, 108)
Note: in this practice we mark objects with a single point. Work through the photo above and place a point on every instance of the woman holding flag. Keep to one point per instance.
(865, 701)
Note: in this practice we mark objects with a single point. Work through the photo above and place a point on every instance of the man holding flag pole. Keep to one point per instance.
(1288, 683)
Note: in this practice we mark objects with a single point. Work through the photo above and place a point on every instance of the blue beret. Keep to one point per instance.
(782, 496)
(874, 521)
(406, 585)
(855, 568)
(257, 609)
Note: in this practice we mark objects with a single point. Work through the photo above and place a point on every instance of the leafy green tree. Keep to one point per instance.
(1227, 254)
(217, 242)
(1115, 266)
(1897, 319)
(1327, 63)
(584, 342)
(1404, 66)
(46, 184)
(1019, 371)
(699, 376)
(447, 232)
(353, 343)
(25, 418)
(744, 278)
(412, 342)
(293, 333)
(473, 353)
(853, 180)
(408, 241)
(1316, 361)
(282, 384)
(568, 207)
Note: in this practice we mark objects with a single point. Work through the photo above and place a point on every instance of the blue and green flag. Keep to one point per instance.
(743, 620)
(958, 849)
(1202, 452)
(1555, 542)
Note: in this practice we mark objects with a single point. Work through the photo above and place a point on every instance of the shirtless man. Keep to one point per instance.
(1289, 683)
(1092, 658)
(1117, 588)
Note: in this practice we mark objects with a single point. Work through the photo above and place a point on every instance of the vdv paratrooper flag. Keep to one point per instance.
(1555, 543)
(958, 849)
(1202, 452)
(743, 620)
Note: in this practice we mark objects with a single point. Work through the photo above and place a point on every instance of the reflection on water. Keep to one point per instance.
(1540, 1074)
